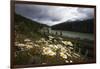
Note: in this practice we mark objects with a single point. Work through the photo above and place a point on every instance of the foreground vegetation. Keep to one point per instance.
(51, 50)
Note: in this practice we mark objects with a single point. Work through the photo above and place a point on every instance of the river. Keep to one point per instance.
(71, 34)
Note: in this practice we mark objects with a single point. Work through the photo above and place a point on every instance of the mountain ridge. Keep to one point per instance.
(85, 26)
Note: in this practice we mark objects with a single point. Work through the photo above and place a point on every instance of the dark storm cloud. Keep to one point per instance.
(88, 11)
(51, 15)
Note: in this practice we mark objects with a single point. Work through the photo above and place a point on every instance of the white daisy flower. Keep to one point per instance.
(63, 55)
(27, 40)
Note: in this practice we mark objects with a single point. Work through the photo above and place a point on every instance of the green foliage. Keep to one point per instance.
(53, 59)
(22, 58)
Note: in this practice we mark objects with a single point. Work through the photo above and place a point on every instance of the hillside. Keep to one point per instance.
(85, 26)
(26, 28)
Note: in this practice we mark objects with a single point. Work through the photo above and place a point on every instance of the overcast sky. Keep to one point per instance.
(52, 15)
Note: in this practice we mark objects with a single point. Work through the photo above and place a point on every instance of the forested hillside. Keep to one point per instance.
(85, 26)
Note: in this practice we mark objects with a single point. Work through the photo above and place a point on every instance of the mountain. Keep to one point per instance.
(85, 26)
(26, 28)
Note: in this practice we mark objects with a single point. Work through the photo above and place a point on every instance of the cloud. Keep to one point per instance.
(89, 12)
(52, 15)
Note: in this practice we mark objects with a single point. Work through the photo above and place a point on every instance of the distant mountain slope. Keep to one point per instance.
(26, 27)
(85, 26)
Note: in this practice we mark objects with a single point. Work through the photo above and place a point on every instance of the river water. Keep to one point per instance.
(71, 34)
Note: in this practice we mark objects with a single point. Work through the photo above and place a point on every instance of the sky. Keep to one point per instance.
(51, 15)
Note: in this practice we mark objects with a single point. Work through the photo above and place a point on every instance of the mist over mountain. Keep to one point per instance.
(52, 15)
